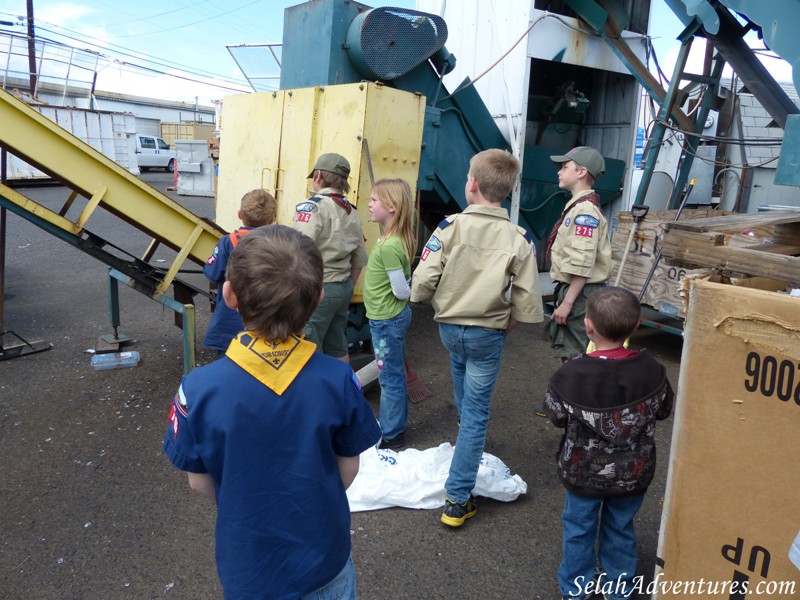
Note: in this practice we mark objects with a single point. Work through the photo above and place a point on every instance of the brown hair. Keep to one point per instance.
(276, 274)
(258, 208)
(614, 312)
(496, 173)
(396, 194)
(332, 180)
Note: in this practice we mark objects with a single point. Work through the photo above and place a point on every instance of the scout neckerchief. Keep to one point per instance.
(275, 364)
(236, 236)
(592, 197)
(341, 201)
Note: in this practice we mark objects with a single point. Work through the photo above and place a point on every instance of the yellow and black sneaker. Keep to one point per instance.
(455, 514)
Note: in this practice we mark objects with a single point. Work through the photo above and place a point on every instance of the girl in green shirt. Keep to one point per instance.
(386, 294)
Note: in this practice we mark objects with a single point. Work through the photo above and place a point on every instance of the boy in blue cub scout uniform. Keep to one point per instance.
(273, 432)
(479, 271)
(257, 208)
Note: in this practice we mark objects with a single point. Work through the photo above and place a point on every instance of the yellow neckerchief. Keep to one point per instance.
(275, 364)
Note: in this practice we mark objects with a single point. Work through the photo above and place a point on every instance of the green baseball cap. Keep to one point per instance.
(333, 163)
(586, 157)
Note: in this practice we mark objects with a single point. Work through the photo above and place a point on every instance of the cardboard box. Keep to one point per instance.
(732, 504)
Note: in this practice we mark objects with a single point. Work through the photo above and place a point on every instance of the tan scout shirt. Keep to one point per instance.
(582, 246)
(338, 234)
(467, 268)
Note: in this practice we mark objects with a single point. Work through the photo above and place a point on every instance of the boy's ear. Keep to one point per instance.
(229, 295)
(239, 214)
(589, 326)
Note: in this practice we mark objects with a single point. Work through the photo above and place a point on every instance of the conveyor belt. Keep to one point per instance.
(88, 173)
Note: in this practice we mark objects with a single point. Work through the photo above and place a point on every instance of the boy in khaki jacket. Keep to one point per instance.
(479, 271)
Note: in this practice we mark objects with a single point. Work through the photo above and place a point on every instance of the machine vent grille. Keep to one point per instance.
(392, 41)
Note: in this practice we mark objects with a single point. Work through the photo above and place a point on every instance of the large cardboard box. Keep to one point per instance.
(732, 504)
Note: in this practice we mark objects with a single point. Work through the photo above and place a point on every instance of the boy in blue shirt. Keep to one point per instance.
(273, 431)
(257, 208)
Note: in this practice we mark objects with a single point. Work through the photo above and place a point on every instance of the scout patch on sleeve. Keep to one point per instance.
(356, 381)
(306, 207)
(178, 409)
(213, 258)
(585, 225)
(587, 221)
(433, 245)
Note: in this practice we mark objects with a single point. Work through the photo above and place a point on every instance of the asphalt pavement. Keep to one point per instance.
(91, 509)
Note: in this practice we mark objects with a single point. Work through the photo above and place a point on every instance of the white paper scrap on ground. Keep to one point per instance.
(415, 479)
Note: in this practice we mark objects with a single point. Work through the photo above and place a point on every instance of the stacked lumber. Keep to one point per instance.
(715, 243)
(663, 293)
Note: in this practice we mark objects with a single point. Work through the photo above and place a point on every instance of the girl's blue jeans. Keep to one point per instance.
(389, 346)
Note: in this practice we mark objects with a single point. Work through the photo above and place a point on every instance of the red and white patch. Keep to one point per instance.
(424, 254)
(584, 231)
(304, 217)
(173, 418)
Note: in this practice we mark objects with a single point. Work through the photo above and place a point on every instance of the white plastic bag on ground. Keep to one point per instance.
(794, 552)
(415, 479)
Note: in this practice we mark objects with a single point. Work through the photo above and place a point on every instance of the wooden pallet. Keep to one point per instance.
(712, 243)
(665, 290)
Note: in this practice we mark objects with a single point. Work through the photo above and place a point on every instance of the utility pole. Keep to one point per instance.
(31, 49)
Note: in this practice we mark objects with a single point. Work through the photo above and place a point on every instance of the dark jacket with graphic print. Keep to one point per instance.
(608, 408)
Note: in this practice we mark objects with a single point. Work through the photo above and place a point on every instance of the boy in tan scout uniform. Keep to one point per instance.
(579, 249)
(334, 224)
(480, 271)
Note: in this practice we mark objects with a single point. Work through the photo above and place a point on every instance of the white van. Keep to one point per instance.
(153, 152)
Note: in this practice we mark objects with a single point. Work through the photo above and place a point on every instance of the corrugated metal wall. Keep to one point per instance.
(481, 31)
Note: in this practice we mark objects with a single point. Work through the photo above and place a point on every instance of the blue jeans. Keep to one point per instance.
(475, 356)
(389, 345)
(616, 543)
(341, 587)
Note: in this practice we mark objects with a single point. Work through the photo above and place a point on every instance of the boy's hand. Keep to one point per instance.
(561, 313)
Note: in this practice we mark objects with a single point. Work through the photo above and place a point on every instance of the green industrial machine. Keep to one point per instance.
(334, 42)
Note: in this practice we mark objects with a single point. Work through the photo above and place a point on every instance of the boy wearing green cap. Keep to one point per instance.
(333, 223)
(579, 249)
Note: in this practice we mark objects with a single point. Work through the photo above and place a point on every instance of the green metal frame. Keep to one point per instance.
(185, 311)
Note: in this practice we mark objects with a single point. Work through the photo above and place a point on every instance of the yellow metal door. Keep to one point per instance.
(272, 140)
(250, 136)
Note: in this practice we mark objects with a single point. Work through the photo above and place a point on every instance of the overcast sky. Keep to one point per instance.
(189, 38)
